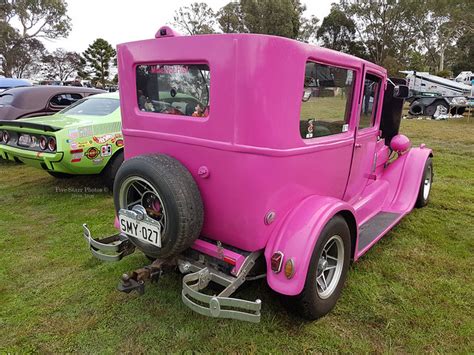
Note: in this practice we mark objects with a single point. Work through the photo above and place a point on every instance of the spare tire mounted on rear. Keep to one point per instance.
(168, 192)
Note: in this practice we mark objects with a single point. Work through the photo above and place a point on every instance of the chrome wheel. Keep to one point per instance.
(136, 191)
(427, 184)
(330, 264)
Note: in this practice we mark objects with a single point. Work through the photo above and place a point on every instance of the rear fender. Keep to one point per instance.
(296, 238)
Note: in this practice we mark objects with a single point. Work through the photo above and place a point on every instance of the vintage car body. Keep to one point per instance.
(85, 140)
(34, 101)
(268, 185)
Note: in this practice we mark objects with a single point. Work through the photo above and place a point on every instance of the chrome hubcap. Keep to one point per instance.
(136, 191)
(330, 265)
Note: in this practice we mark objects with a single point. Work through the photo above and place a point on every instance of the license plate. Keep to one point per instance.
(25, 140)
(141, 230)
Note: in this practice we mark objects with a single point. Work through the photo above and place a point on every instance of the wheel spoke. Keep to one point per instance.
(330, 267)
(131, 204)
(332, 257)
(324, 280)
(328, 247)
(137, 189)
(320, 282)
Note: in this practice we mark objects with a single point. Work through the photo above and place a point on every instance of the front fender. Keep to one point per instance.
(406, 173)
(296, 237)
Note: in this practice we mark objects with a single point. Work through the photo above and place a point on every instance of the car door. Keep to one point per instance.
(366, 138)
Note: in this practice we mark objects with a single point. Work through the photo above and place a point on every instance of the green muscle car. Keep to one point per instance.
(83, 139)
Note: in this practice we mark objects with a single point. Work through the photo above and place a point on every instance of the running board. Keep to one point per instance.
(374, 227)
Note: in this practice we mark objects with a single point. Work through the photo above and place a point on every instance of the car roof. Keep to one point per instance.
(11, 82)
(46, 90)
(34, 97)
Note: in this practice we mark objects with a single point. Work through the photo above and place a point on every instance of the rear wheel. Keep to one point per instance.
(327, 272)
(416, 108)
(169, 194)
(425, 185)
(437, 109)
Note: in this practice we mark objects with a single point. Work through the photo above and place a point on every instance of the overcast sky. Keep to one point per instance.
(119, 21)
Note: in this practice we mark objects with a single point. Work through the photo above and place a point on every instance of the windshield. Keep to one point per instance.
(92, 107)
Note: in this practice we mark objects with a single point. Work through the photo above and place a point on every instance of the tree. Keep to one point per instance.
(463, 54)
(197, 18)
(22, 22)
(309, 29)
(98, 57)
(61, 64)
(443, 24)
(337, 31)
(273, 17)
(386, 28)
(230, 18)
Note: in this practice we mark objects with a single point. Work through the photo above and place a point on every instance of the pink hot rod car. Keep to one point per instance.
(253, 156)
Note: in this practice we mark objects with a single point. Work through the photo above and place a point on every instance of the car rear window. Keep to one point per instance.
(6, 99)
(92, 107)
(174, 89)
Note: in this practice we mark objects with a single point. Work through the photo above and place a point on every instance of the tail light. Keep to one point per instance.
(43, 143)
(276, 261)
(5, 137)
(52, 144)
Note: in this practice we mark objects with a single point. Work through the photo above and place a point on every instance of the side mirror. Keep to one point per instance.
(401, 91)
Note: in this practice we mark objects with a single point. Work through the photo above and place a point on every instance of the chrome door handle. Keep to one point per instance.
(358, 145)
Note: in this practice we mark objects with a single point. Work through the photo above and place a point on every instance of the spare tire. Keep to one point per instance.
(169, 194)
(416, 108)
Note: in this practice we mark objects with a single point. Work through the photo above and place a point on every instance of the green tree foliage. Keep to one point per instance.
(386, 28)
(22, 22)
(197, 18)
(338, 32)
(443, 23)
(98, 58)
(308, 29)
(230, 18)
(273, 17)
(463, 54)
(61, 64)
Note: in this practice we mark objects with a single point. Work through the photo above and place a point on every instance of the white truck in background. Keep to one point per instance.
(434, 96)
(465, 77)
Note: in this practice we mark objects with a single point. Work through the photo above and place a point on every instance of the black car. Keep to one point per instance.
(23, 102)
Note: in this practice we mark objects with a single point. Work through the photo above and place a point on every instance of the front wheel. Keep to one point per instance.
(425, 185)
(327, 272)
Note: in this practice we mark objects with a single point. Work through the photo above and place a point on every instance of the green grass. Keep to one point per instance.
(412, 292)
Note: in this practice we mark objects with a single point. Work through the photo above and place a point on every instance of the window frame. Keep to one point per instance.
(162, 115)
(356, 70)
(376, 101)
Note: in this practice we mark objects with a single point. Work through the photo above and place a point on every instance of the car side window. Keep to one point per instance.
(174, 89)
(64, 100)
(369, 101)
(326, 100)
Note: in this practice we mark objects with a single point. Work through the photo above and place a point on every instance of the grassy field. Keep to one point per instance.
(412, 292)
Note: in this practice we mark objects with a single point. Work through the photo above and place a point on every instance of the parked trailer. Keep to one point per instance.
(434, 96)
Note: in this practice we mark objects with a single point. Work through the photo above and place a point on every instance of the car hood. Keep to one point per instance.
(63, 121)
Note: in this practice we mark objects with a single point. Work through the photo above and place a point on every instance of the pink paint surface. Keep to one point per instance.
(251, 145)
